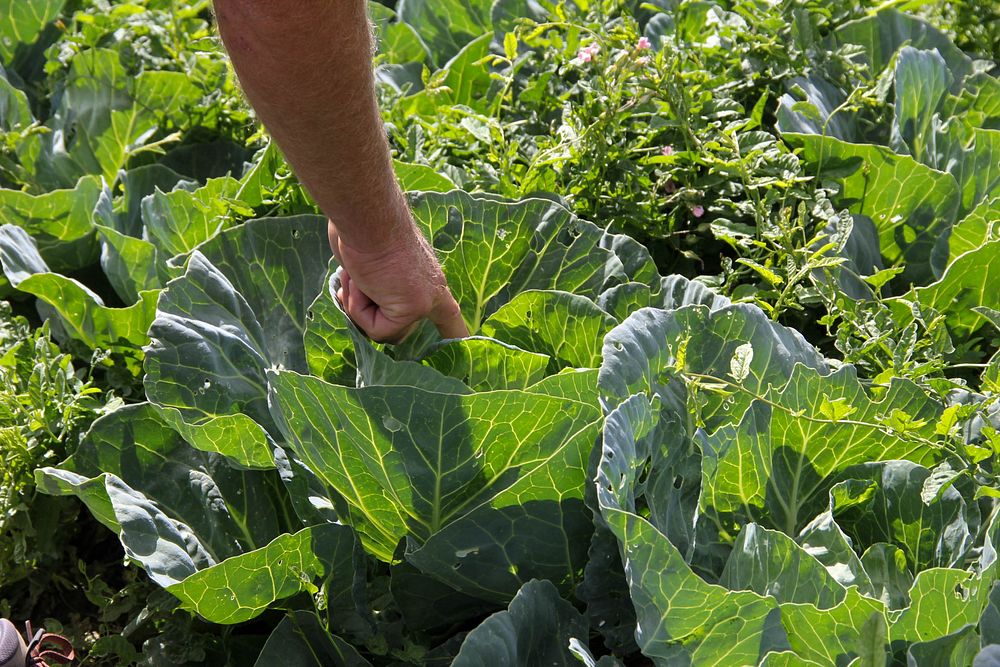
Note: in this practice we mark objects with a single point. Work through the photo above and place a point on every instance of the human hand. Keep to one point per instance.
(387, 291)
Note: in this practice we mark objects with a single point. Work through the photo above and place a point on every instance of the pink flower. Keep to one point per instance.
(697, 210)
(667, 150)
(670, 187)
(587, 53)
(643, 44)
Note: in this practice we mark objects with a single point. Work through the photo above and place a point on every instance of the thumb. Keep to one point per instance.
(447, 317)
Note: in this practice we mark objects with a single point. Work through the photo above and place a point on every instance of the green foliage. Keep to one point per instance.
(45, 406)
(731, 394)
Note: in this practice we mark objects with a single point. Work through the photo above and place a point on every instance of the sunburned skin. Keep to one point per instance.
(306, 67)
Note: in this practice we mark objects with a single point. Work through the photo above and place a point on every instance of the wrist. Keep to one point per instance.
(377, 231)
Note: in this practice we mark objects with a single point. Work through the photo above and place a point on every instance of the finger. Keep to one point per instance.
(373, 320)
(344, 293)
(447, 317)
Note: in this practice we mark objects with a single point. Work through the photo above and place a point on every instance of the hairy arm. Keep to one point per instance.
(306, 67)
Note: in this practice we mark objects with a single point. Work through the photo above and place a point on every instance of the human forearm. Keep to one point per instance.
(305, 66)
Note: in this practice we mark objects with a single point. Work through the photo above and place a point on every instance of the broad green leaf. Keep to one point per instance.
(446, 26)
(241, 587)
(535, 630)
(883, 34)
(137, 184)
(968, 282)
(79, 312)
(942, 600)
(643, 351)
(398, 42)
(989, 623)
(239, 309)
(177, 510)
(19, 255)
(837, 635)
(330, 339)
(261, 177)
(237, 437)
(485, 364)
(824, 99)
(605, 591)
(911, 204)
(492, 250)
(956, 597)
(104, 117)
(59, 221)
(22, 21)
(683, 618)
(935, 534)
(15, 112)
(132, 266)
(922, 80)
(421, 178)
(957, 649)
(202, 162)
(889, 573)
(178, 221)
(470, 479)
(975, 229)
(871, 647)
(772, 564)
(210, 349)
(429, 605)
(776, 465)
(566, 327)
(978, 102)
(300, 640)
(209, 353)
(673, 292)
(824, 540)
(491, 550)
(715, 624)
(663, 447)
(84, 317)
(463, 81)
(971, 155)
(279, 265)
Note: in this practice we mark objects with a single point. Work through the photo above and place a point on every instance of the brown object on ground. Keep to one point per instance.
(47, 649)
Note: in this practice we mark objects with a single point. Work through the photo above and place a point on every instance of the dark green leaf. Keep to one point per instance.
(177, 510)
(300, 640)
(957, 649)
(771, 563)
(535, 630)
(59, 221)
(912, 205)
(485, 364)
(471, 477)
(243, 586)
(883, 34)
(22, 21)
